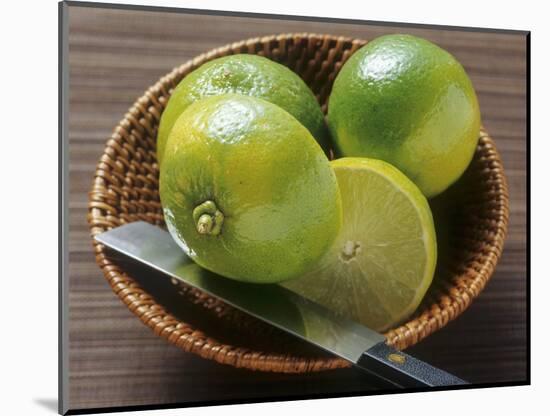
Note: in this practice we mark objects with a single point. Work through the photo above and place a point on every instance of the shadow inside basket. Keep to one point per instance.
(222, 323)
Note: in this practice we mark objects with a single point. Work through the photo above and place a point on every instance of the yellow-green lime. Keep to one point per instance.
(406, 101)
(250, 75)
(246, 190)
(384, 258)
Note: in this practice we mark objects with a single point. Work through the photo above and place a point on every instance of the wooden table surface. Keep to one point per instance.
(117, 361)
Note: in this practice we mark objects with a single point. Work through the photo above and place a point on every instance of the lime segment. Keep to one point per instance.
(383, 260)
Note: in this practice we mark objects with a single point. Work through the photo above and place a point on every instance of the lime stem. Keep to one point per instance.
(208, 218)
(204, 224)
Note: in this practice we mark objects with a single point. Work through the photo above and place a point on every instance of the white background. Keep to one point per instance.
(29, 208)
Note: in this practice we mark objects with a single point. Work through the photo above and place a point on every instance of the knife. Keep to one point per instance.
(281, 308)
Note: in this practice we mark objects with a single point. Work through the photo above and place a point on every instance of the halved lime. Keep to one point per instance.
(383, 260)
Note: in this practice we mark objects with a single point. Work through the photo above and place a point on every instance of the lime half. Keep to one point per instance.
(383, 260)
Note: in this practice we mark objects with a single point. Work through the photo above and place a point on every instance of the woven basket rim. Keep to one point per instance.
(140, 120)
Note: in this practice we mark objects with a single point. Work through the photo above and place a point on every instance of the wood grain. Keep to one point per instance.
(116, 361)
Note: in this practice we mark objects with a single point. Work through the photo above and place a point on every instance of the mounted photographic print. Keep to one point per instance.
(260, 208)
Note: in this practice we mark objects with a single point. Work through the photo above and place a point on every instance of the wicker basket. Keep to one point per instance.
(473, 214)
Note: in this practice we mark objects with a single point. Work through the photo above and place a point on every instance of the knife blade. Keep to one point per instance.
(279, 307)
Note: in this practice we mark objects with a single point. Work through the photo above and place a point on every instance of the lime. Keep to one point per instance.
(247, 75)
(408, 102)
(383, 260)
(246, 190)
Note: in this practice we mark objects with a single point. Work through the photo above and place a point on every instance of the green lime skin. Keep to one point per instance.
(246, 190)
(408, 102)
(250, 75)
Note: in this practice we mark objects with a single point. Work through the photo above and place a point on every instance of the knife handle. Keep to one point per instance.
(402, 370)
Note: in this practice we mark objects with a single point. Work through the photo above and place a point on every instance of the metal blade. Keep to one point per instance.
(273, 304)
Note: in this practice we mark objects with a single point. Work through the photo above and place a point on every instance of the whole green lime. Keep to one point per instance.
(246, 190)
(408, 102)
(251, 75)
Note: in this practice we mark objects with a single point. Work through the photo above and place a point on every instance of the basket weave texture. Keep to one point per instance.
(125, 189)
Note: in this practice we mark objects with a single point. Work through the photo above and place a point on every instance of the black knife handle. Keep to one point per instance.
(402, 370)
